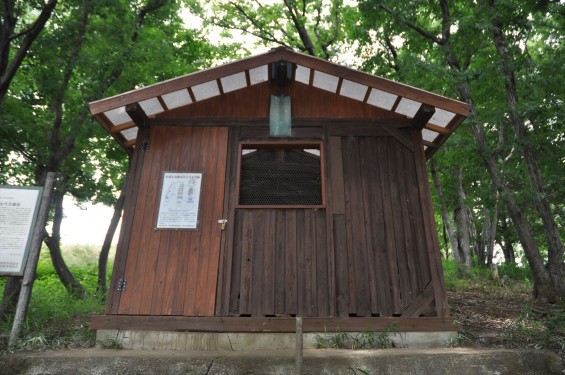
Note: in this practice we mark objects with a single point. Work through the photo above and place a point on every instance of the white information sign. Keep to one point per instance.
(18, 210)
(180, 201)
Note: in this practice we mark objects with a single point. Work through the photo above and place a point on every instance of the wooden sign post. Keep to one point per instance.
(33, 258)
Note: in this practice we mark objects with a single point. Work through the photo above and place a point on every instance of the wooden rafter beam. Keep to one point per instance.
(138, 115)
(423, 116)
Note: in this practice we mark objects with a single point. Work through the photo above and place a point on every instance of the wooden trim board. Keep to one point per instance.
(276, 324)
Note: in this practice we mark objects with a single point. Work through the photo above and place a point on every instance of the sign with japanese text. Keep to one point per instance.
(180, 201)
(18, 211)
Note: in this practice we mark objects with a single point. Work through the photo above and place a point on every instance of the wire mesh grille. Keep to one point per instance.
(280, 176)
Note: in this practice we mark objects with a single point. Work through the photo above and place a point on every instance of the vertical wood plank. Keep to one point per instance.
(246, 264)
(378, 229)
(322, 283)
(291, 272)
(220, 135)
(309, 271)
(396, 199)
(258, 249)
(349, 210)
(330, 245)
(408, 273)
(236, 266)
(132, 189)
(391, 255)
(228, 238)
(406, 156)
(302, 303)
(367, 164)
(280, 261)
(416, 217)
(208, 224)
(192, 238)
(341, 266)
(269, 265)
(441, 306)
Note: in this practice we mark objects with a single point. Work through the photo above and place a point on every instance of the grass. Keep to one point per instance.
(460, 279)
(55, 320)
(359, 340)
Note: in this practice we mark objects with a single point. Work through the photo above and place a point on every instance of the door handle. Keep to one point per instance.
(222, 223)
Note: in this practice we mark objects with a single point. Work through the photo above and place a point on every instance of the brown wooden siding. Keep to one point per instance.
(253, 102)
(280, 264)
(366, 254)
(174, 272)
(381, 252)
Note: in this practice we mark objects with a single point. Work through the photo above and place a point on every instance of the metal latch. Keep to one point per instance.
(122, 284)
(222, 223)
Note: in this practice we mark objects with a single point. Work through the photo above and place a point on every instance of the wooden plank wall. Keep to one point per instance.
(381, 252)
(280, 263)
(366, 254)
(174, 272)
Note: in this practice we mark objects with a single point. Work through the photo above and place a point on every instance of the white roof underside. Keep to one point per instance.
(117, 117)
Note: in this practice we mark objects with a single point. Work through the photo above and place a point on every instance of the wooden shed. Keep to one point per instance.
(276, 186)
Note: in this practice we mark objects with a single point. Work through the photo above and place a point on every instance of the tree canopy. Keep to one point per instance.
(498, 179)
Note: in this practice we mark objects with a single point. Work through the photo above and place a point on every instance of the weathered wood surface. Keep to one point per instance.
(369, 252)
(366, 254)
(279, 263)
(175, 272)
(266, 324)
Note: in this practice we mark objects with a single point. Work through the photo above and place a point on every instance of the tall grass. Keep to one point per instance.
(460, 279)
(55, 319)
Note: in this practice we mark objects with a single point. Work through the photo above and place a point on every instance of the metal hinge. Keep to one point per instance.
(122, 284)
(145, 146)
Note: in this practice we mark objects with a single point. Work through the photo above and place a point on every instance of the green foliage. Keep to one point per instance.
(537, 327)
(319, 28)
(458, 278)
(457, 340)
(55, 319)
(514, 272)
(408, 42)
(359, 340)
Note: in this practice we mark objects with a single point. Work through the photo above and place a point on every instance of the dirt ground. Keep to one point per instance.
(484, 316)
(501, 317)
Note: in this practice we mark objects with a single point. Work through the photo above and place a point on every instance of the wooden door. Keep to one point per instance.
(174, 272)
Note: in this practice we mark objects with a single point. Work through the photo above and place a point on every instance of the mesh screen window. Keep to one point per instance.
(280, 176)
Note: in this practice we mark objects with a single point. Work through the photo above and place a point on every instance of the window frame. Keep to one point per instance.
(281, 144)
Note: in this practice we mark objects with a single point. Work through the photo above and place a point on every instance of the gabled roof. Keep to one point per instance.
(376, 91)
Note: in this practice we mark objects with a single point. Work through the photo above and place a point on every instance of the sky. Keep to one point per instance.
(85, 225)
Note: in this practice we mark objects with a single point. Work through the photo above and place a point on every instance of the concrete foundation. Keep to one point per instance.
(200, 341)
(460, 361)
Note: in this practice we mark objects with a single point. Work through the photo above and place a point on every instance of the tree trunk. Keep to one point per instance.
(448, 225)
(556, 266)
(507, 244)
(542, 282)
(10, 299)
(492, 237)
(461, 220)
(53, 242)
(482, 243)
(103, 258)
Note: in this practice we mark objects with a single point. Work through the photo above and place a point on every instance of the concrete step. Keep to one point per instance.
(459, 361)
